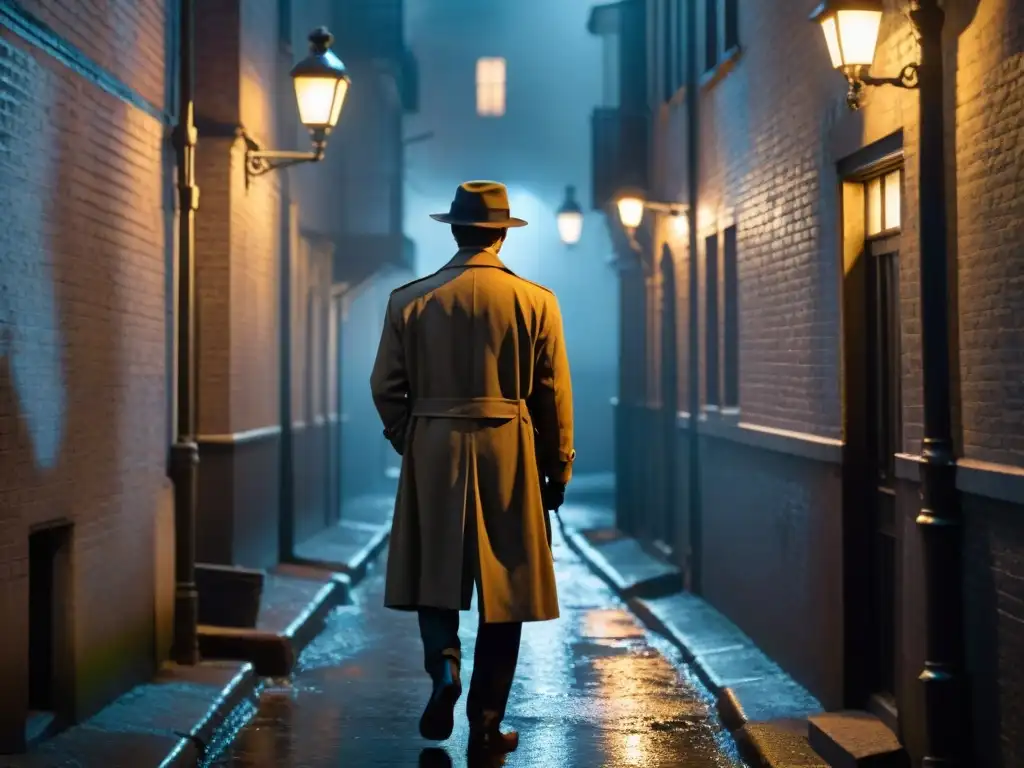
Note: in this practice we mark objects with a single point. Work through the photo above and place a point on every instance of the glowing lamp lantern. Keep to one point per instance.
(631, 211)
(321, 84)
(570, 218)
(680, 225)
(851, 31)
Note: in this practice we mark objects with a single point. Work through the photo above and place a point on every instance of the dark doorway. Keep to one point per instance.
(669, 399)
(885, 441)
(872, 428)
(49, 623)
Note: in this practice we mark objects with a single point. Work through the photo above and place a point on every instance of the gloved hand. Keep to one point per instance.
(553, 495)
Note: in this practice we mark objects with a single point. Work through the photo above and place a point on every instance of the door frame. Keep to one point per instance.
(858, 528)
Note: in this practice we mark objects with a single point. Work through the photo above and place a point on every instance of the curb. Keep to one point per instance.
(773, 743)
(221, 717)
(273, 654)
(357, 567)
(177, 719)
(667, 583)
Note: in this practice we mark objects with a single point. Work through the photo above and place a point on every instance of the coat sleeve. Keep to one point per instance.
(389, 382)
(550, 401)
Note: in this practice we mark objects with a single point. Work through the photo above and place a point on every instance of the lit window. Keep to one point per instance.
(490, 87)
(883, 203)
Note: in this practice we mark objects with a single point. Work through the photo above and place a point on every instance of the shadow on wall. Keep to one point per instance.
(82, 380)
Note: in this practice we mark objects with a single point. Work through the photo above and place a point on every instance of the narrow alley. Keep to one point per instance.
(592, 689)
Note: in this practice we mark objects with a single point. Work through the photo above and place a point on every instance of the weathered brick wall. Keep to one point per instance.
(772, 130)
(990, 226)
(217, 53)
(83, 324)
(761, 161)
(238, 228)
(127, 38)
(256, 227)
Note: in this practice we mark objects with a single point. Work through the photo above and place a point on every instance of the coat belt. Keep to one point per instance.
(469, 408)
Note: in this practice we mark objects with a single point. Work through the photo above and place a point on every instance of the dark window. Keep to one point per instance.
(732, 24)
(885, 330)
(885, 426)
(711, 363)
(730, 321)
(680, 47)
(668, 52)
(710, 34)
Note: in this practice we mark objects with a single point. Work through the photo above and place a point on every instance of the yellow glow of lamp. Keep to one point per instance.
(570, 218)
(851, 31)
(321, 84)
(631, 210)
(851, 34)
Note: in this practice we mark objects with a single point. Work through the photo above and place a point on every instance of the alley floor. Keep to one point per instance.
(593, 689)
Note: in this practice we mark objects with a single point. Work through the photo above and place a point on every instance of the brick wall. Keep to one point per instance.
(773, 127)
(127, 38)
(239, 228)
(989, 225)
(83, 328)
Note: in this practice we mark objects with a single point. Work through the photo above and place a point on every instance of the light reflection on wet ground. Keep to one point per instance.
(592, 689)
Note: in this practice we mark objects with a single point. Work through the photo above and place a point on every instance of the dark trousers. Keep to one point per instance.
(494, 662)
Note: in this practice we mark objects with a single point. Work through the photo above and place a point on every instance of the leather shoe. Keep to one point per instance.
(438, 719)
(492, 741)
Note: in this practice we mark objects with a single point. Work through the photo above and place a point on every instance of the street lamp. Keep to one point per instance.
(321, 84)
(631, 209)
(631, 206)
(851, 34)
(680, 226)
(570, 218)
(940, 520)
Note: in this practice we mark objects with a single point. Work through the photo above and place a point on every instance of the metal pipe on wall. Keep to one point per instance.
(940, 521)
(693, 328)
(184, 458)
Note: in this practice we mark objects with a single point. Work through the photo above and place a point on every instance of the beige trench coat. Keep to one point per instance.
(472, 384)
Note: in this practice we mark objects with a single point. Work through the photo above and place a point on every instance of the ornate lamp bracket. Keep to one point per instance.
(259, 162)
(858, 78)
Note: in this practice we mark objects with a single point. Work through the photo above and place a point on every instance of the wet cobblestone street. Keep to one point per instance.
(592, 689)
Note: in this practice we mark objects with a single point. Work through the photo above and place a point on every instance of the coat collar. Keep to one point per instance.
(476, 257)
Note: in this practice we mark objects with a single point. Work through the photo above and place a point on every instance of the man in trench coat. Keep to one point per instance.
(471, 381)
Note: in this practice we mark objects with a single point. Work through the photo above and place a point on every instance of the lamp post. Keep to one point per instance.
(321, 85)
(851, 32)
(570, 218)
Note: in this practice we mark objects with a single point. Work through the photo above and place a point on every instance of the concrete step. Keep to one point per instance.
(854, 739)
(778, 744)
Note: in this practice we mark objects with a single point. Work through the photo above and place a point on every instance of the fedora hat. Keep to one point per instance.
(480, 204)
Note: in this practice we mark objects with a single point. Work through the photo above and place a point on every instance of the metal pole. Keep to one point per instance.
(286, 457)
(939, 521)
(185, 451)
(693, 322)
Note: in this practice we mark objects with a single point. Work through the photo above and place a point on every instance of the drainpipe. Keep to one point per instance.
(940, 520)
(286, 457)
(184, 464)
(693, 330)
